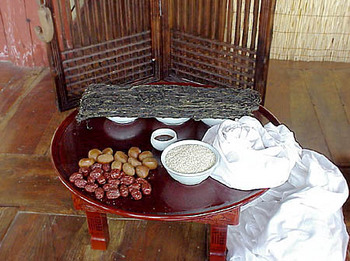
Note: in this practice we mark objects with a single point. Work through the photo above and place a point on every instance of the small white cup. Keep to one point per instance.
(212, 122)
(122, 120)
(172, 121)
(162, 138)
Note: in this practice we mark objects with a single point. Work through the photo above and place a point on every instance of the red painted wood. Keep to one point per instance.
(217, 246)
(98, 229)
(39, 48)
(19, 17)
(97, 224)
(3, 42)
(229, 217)
(218, 228)
(80, 204)
(17, 31)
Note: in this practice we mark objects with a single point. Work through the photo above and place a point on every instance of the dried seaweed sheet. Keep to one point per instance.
(162, 100)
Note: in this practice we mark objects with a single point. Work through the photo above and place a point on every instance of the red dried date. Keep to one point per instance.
(107, 175)
(134, 186)
(136, 194)
(105, 182)
(113, 194)
(75, 176)
(124, 191)
(91, 179)
(140, 180)
(80, 183)
(116, 174)
(108, 187)
(146, 188)
(99, 193)
(127, 180)
(96, 173)
(101, 180)
(96, 166)
(106, 167)
(91, 187)
(115, 182)
(85, 171)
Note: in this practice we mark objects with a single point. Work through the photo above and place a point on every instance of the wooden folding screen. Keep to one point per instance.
(223, 43)
(217, 42)
(100, 41)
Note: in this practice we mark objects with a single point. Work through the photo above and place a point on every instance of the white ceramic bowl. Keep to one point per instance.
(190, 178)
(212, 122)
(172, 121)
(157, 140)
(122, 120)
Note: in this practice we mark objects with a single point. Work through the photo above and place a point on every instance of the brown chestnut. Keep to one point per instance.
(133, 161)
(150, 163)
(105, 158)
(142, 171)
(134, 152)
(121, 156)
(116, 165)
(94, 153)
(128, 169)
(145, 154)
(107, 151)
(86, 162)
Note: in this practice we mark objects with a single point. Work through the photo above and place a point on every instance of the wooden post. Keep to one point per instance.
(98, 229)
(166, 17)
(264, 43)
(155, 10)
(97, 223)
(217, 245)
(216, 242)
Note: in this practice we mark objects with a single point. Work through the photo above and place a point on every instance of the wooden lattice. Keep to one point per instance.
(221, 43)
(103, 41)
(224, 43)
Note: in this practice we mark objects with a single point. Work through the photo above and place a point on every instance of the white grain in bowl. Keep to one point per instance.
(190, 158)
(198, 162)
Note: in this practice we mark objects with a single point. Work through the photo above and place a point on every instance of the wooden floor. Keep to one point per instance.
(37, 219)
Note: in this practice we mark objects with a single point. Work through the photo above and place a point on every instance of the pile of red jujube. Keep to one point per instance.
(114, 176)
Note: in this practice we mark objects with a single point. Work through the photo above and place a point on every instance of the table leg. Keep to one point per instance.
(97, 223)
(98, 229)
(217, 246)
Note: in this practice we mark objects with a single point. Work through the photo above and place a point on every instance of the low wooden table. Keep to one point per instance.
(209, 202)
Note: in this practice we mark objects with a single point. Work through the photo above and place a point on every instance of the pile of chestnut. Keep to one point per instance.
(111, 175)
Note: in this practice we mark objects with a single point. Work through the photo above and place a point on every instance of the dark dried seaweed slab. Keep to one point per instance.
(174, 101)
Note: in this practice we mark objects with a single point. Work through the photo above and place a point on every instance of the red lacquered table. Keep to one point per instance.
(209, 202)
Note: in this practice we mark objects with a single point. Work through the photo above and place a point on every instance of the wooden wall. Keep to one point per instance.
(18, 42)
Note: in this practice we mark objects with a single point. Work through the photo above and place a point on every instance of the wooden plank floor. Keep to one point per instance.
(312, 99)
(64, 237)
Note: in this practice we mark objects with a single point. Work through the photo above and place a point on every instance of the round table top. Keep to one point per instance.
(169, 199)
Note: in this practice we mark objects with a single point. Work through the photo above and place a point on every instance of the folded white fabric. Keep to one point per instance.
(299, 220)
(252, 156)
(300, 216)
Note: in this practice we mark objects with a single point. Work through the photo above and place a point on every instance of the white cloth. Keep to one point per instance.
(252, 156)
(301, 219)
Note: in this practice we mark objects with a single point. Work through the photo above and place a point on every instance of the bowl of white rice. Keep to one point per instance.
(190, 161)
